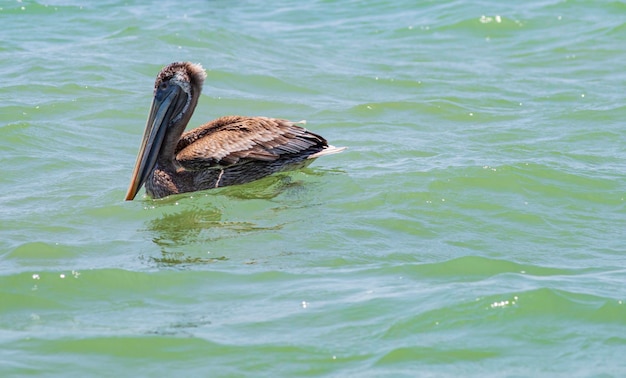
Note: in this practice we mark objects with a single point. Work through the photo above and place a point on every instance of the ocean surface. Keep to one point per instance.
(476, 225)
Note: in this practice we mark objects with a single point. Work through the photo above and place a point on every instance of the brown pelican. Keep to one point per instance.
(227, 151)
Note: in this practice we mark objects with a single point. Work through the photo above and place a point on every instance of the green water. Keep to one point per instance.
(474, 227)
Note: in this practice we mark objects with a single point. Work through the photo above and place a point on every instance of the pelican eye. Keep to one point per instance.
(160, 90)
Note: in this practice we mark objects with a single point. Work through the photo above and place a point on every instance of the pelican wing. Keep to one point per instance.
(233, 140)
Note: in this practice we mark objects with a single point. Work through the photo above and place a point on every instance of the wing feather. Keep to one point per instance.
(234, 140)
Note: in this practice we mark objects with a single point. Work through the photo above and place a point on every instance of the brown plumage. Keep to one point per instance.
(226, 151)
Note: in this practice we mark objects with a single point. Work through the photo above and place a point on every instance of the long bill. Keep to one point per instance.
(156, 127)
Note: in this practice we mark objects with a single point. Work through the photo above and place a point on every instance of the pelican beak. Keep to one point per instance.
(165, 106)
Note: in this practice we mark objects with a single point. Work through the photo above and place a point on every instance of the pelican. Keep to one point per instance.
(226, 151)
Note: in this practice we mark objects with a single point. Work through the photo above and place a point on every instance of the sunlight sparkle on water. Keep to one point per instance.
(486, 19)
(504, 303)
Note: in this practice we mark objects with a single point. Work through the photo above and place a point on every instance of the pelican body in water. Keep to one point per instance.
(226, 151)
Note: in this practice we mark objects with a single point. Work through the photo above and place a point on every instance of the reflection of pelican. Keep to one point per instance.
(226, 151)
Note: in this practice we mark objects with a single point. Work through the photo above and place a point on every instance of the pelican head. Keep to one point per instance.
(176, 92)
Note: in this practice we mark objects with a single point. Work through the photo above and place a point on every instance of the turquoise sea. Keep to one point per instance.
(476, 225)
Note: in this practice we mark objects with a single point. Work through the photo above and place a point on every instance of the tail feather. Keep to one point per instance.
(327, 151)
